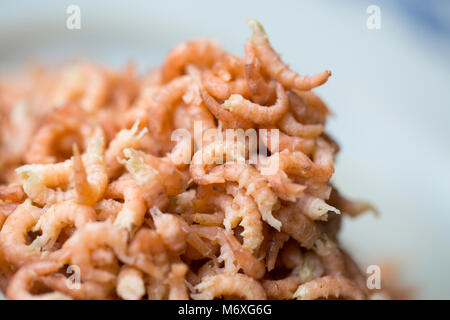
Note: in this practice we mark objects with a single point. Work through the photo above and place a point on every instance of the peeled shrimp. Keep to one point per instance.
(222, 89)
(334, 286)
(237, 285)
(284, 141)
(273, 65)
(55, 218)
(78, 248)
(256, 113)
(11, 193)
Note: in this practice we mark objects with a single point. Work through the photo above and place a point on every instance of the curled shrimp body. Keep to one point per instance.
(315, 208)
(298, 226)
(162, 106)
(312, 101)
(292, 127)
(249, 216)
(255, 185)
(164, 170)
(256, 113)
(260, 91)
(107, 209)
(131, 216)
(273, 65)
(285, 142)
(202, 52)
(11, 193)
(123, 140)
(78, 249)
(330, 255)
(147, 178)
(55, 218)
(13, 235)
(329, 286)
(237, 285)
(276, 242)
(21, 283)
(222, 89)
(227, 118)
(170, 229)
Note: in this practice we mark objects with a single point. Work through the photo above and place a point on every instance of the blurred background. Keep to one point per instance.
(389, 90)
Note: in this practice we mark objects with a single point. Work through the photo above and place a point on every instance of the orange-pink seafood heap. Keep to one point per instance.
(98, 200)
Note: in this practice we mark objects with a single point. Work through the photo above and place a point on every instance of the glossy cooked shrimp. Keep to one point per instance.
(107, 209)
(13, 235)
(260, 91)
(123, 140)
(329, 286)
(130, 284)
(201, 52)
(21, 283)
(131, 216)
(236, 285)
(55, 218)
(262, 115)
(273, 65)
(222, 89)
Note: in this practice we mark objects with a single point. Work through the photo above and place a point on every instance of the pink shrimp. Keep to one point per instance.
(291, 126)
(107, 209)
(123, 140)
(13, 235)
(298, 226)
(337, 286)
(255, 185)
(330, 255)
(237, 285)
(260, 91)
(201, 52)
(303, 112)
(20, 285)
(78, 248)
(130, 284)
(11, 193)
(285, 141)
(55, 218)
(256, 113)
(222, 89)
(315, 208)
(132, 214)
(178, 288)
(312, 101)
(249, 217)
(227, 118)
(171, 231)
(282, 289)
(273, 65)
(276, 242)
(351, 207)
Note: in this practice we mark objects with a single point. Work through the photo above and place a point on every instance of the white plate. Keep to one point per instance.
(389, 92)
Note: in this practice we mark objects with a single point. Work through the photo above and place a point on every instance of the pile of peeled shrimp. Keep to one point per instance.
(96, 204)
